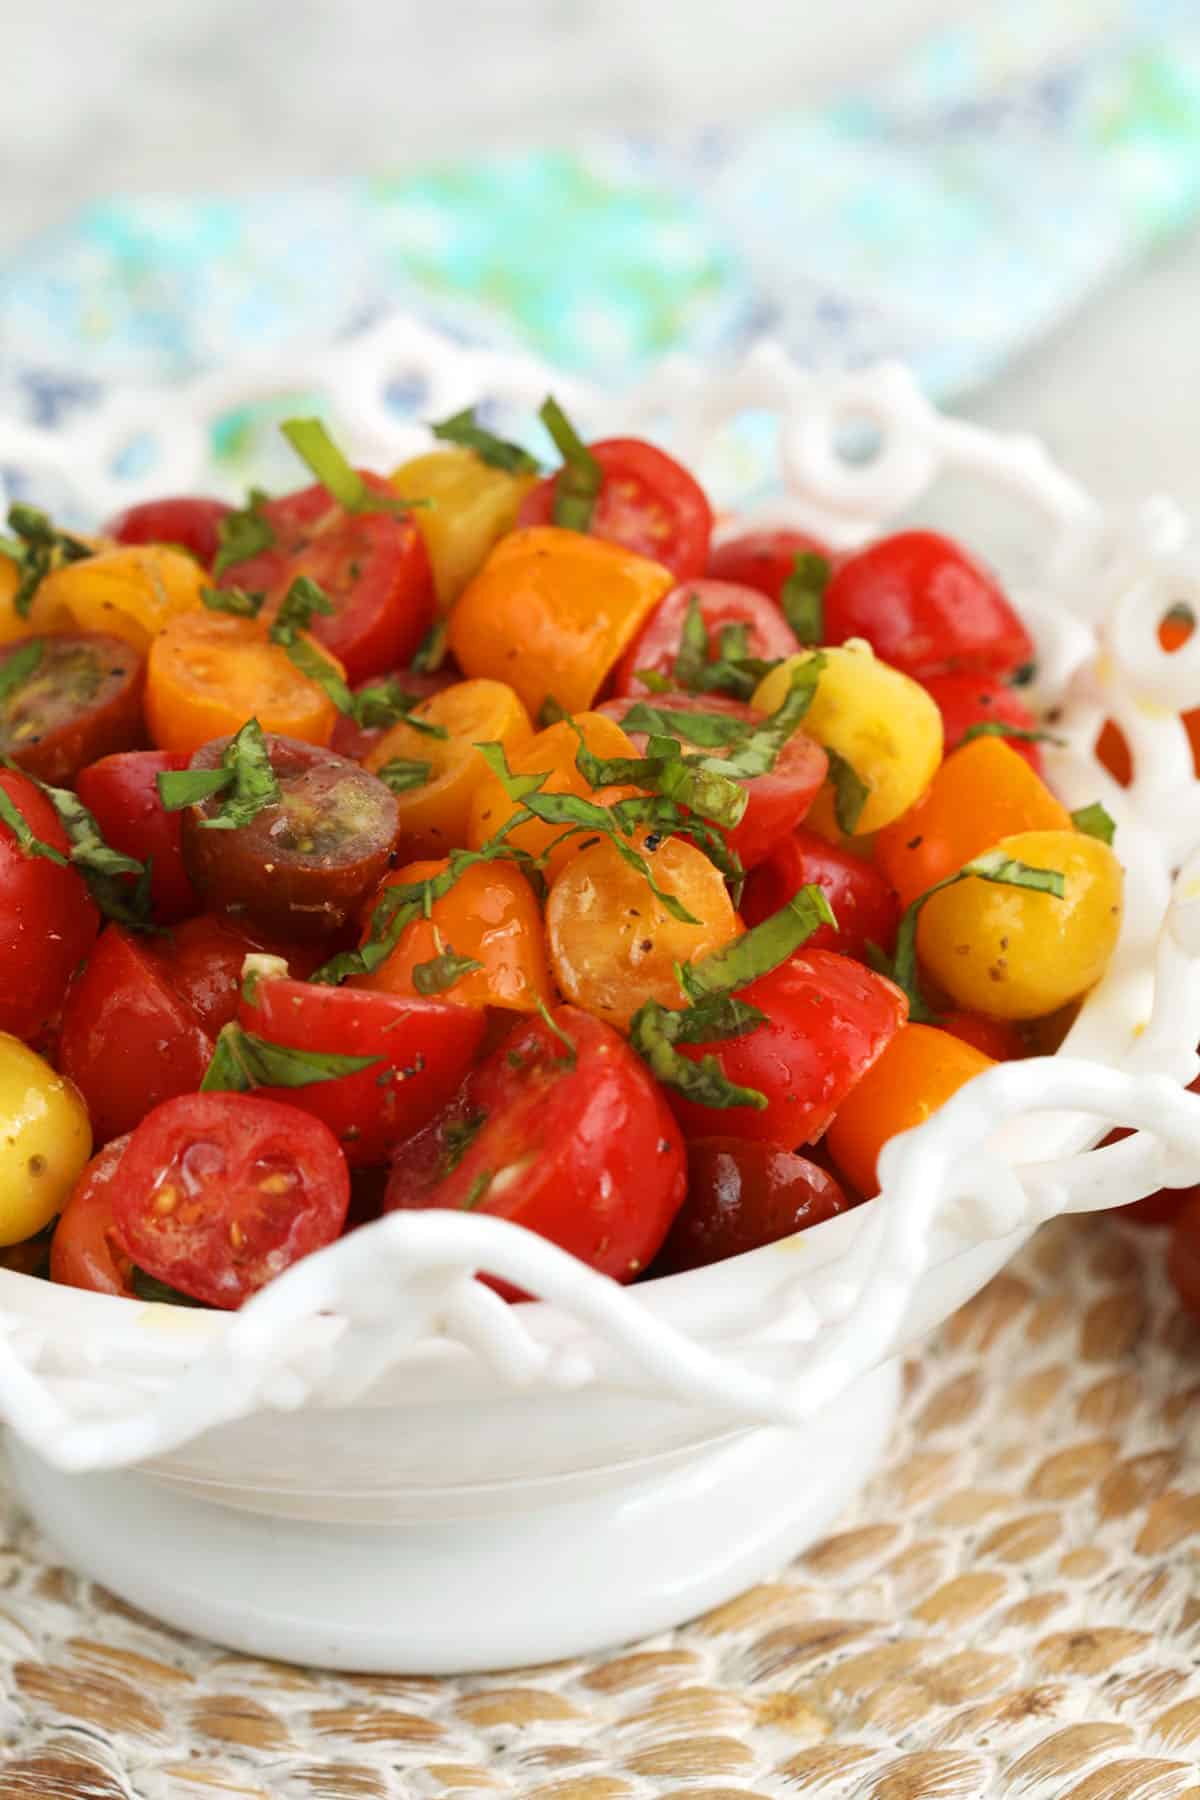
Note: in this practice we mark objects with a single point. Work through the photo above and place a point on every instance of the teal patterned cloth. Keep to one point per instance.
(948, 214)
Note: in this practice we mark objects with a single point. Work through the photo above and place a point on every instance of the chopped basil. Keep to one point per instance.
(1095, 822)
(696, 670)
(478, 1188)
(104, 869)
(241, 535)
(442, 971)
(464, 429)
(802, 596)
(1001, 729)
(27, 841)
(760, 949)
(850, 791)
(312, 443)
(242, 1061)
(245, 775)
(564, 1037)
(387, 702)
(551, 713)
(233, 600)
(458, 1136)
(432, 651)
(157, 1293)
(577, 484)
(710, 729)
(16, 670)
(37, 547)
(303, 599)
(655, 1031)
(401, 775)
(702, 787)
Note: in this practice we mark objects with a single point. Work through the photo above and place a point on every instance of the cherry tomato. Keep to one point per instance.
(82, 699)
(574, 1143)
(967, 700)
(184, 520)
(763, 559)
(647, 503)
(471, 507)
(827, 1019)
(917, 1072)
(203, 959)
(742, 1195)
(209, 672)
(47, 919)
(219, 1193)
(373, 566)
(129, 1038)
(424, 1049)
(722, 604)
(304, 864)
(84, 1252)
(357, 741)
(997, 1038)
(44, 1143)
(776, 801)
(864, 905)
(122, 793)
(132, 593)
(12, 625)
(553, 752)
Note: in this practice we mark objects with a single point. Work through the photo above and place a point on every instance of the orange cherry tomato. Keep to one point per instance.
(981, 793)
(132, 592)
(998, 1038)
(12, 625)
(918, 1071)
(209, 672)
(613, 944)
(491, 914)
(553, 749)
(551, 611)
(434, 814)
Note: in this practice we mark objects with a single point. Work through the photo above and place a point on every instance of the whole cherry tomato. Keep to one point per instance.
(80, 698)
(863, 903)
(966, 701)
(742, 1195)
(84, 1252)
(183, 520)
(918, 1071)
(763, 559)
(121, 792)
(471, 506)
(45, 1141)
(219, 1193)
(47, 919)
(925, 607)
(647, 503)
(721, 605)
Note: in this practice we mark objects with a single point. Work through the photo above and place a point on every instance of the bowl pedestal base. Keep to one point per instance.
(497, 1590)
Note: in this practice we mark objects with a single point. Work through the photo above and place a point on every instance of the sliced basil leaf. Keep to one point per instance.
(178, 788)
(700, 787)
(1095, 822)
(710, 729)
(654, 1033)
(16, 670)
(758, 753)
(850, 791)
(402, 775)
(233, 600)
(105, 870)
(802, 596)
(388, 702)
(38, 547)
(242, 1061)
(691, 660)
(432, 652)
(27, 841)
(303, 600)
(1000, 728)
(245, 775)
(458, 1136)
(241, 535)
(477, 1190)
(312, 443)
(564, 1037)
(442, 971)
(577, 484)
(157, 1293)
(464, 429)
(551, 713)
(760, 949)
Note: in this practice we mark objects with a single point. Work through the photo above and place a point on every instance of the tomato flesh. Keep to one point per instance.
(203, 957)
(863, 902)
(48, 921)
(185, 520)
(121, 791)
(742, 1195)
(647, 502)
(84, 1252)
(721, 604)
(82, 700)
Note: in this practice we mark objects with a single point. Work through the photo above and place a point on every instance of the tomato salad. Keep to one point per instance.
(482, 836)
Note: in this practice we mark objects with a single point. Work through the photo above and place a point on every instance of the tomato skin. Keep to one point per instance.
(84, 1252)
(828, 1018)
(122, 792)
(966, 700)
(741, 1196)
(997, 1038)
(186, 520)
(648, 503)
(202, 959)
(48, 921)
(926, 607)
(721, 603)
(764, 559)
(208, 672)
(129, 1039)
(82, 701)
(918, 1071)
(425, 1048)
(863, 902)
(219, 1193)
(583, 1152)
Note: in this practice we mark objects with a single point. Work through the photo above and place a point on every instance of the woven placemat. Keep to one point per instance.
(1012, 1608)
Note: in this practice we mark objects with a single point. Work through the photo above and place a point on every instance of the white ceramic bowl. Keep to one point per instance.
(378, 1464)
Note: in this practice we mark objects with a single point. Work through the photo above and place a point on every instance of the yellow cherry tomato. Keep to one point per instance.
(613, 943)
(1013, 953)
(12, 625)
(45, 1139)
(132, 592)
(881, 722)
(473, 506)
(551, 611)
(434, 815)
(554, 750)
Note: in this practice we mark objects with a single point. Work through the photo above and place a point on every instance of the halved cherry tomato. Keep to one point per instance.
(551, 611)
(864, 905)
(764, 559)
(613, 944)
(967, 700)
(132, 593)
(203, 960)
(81, 699)
(304, 864)
(186, 521)
(357, 741)
(916, 1073)
(827, 1020)
(491, 915)
(742, 1195)
(129, 1039)
(47, 919)
(471, 506)
(424, 1049)
(553, 751)
(209, 672)
(981, 793)
(84, 1251)
(574, 1142)
(647, 502)
(219, 1193)
(722, 604)
(776, 801)
(122, 793)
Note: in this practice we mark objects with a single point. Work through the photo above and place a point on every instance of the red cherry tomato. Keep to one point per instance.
(129, 1039)
(47, 919)
(998, 1038)
(827, 1019)
(578, 1146)
(863, 902)
(742, 1195)
(647, 502)
(190, 523)
(203, 960)
(373, 566)
(721, 603)
(966, 700)
(424, 1047)
(357, 741)
(84, 1252)
(763, 559)
(775, 802)
(219, 1193)
(926, 607)
(83, 700)
(122, 792)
